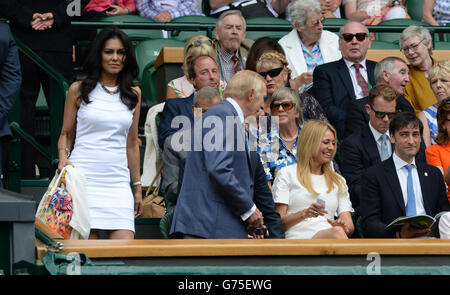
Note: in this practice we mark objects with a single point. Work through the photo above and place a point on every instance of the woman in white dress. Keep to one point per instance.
(308, 195)
(101, 117)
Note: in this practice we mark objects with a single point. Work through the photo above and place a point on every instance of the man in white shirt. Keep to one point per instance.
(402, 186)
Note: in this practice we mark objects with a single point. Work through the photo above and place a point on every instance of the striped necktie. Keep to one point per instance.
(235, 63)
(361, 81)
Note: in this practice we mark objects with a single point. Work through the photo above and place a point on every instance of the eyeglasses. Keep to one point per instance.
(381, 115)
(349, 37)
(199, 42)
(272, 73)
(317, 22)
(274, 107)
(412, 47)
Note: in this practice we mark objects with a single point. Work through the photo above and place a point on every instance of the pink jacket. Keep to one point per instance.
(102, 5)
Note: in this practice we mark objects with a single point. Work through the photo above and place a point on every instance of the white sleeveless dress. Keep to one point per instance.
(100, 153)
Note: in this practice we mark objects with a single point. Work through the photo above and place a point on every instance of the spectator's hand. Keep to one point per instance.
(255, 220)
(315, 210)
(62, 164)
(409, 232)
(163, 17)
(259, 233)
(304, 79)
(41, 22)
(339, 222)
(138, 203)
(117, 10)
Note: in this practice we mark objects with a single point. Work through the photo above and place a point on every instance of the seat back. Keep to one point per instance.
(191, 19)
(147, 51)
(265, 20)
(135, 34)
(414, 8)
(394, 37)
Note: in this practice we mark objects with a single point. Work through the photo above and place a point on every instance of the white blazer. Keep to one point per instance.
(328, 44)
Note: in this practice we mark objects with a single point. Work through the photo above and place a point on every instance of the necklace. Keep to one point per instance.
(288, 139)
(109, 91)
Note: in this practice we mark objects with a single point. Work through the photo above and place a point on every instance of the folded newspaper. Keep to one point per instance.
(418, 221)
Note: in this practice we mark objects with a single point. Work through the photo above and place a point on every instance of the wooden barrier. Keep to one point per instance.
(281, 247)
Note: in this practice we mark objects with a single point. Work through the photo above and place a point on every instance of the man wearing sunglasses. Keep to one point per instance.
(371, 144)
(340, 82)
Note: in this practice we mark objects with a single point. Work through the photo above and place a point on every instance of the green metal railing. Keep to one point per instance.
(58, 90)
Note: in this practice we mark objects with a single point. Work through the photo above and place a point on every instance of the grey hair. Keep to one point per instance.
(386, 64)
(207, 93)
(299, 10)
(227, 13)
(285, 92)
(415, 31)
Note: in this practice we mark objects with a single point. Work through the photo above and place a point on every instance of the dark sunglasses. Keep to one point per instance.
(349, 37)
(274, 107)
(272, 73)
(381, 115)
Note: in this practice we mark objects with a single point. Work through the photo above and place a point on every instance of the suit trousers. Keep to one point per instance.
(32, 79)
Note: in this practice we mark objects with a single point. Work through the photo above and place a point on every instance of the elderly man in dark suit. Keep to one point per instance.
(10, 79)
(203, 71)
(340, 82)
(402, 186)
(391, 71)
(216, 197)
(174, 161)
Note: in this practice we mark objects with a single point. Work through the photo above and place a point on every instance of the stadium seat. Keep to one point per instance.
(414, 8)
(135, 34)
(442, 45)
(148, 50)
(393, 37)
(335, 21)
(146, 53)
(383, 45)
(277, 35)
(184, 35)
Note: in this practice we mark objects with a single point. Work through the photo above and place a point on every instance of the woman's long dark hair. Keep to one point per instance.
(93, 67)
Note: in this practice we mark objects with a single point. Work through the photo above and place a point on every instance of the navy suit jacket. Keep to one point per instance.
(333, 89)
(360, 152)
(217, 182)
(264, 200)
(172, 108)
(10, 78)
(382, 199)
(357, 116)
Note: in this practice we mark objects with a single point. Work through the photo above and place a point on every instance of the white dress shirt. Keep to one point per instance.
(377, 136)
(402, 173)
(352, 70)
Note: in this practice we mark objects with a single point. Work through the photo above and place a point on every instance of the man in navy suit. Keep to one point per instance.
(402, 186)
(340, 82)
(391, 71)
(10, 80)
(365, 147)
(216, 197)
(203, 71)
